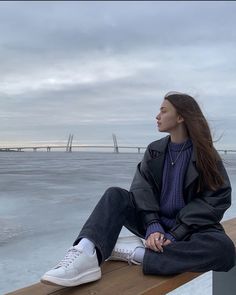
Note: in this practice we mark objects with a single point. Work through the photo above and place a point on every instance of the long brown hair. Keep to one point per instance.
(200, 134)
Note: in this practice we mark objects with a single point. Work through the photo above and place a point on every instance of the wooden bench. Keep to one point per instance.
(120, 278)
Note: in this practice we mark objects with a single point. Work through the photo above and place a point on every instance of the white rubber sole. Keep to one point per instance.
(86, 277)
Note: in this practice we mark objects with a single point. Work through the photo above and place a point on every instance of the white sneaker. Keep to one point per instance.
(76, 268)
(124, 249)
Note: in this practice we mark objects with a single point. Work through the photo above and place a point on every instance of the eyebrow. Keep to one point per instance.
(162, 108)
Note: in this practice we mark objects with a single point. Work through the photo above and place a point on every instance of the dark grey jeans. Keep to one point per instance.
(207, 250)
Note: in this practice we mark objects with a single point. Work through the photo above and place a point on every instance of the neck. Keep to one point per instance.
(177, 139)
(179, 136)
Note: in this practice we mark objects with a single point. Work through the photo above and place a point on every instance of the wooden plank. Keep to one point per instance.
(36, 289)
(39, 288)
(171, 283)
(122, 279)
(118, 278)
(129, 281)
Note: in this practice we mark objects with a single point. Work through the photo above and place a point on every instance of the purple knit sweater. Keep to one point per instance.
(171, 200)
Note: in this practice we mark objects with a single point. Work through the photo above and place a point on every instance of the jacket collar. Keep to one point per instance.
(156, 163)
(160, 145)
(192, 172)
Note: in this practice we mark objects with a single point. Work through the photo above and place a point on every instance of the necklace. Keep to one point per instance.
(174, 161)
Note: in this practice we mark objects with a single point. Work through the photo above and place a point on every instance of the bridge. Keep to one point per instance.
(69, 147)
(49, 148)
(116, 149)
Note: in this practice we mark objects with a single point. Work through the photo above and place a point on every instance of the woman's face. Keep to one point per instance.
(168, 119)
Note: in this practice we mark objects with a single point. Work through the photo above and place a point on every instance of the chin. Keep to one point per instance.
(161, 130)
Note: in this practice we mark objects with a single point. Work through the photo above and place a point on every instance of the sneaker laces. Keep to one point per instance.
(71, 255)
(124, 254)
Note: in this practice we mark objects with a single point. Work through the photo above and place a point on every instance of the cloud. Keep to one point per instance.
(95, 67)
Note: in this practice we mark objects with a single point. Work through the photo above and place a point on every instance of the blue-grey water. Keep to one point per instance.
(46, 197)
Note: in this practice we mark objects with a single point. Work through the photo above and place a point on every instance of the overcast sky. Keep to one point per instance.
(97, 68)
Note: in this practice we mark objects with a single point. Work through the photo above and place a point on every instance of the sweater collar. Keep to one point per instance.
(176, 147)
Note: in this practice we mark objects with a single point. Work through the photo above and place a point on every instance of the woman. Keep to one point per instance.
(177, 199)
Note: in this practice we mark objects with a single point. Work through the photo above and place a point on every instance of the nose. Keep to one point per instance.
(158, 116)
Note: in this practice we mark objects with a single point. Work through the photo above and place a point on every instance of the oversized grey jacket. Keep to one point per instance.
(202, 211)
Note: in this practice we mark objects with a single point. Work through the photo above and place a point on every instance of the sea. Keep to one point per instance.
(46, 197)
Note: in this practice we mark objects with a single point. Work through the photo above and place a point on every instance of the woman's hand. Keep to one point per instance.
(156, 241)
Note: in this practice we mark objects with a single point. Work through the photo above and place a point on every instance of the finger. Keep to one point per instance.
(153, 242)
(153, 245)
(158, 244)
(161, 239)
(167, 242)
(148, 242)
(156, 236)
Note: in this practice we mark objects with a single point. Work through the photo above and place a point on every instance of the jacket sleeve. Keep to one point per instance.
(206, 209)
(143, 193)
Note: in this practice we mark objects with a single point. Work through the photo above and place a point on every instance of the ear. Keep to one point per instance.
(180, 119)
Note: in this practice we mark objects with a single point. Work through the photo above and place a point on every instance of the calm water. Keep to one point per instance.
(46, 197)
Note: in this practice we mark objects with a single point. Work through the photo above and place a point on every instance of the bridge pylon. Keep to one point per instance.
(116, 148)
(69, 143)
